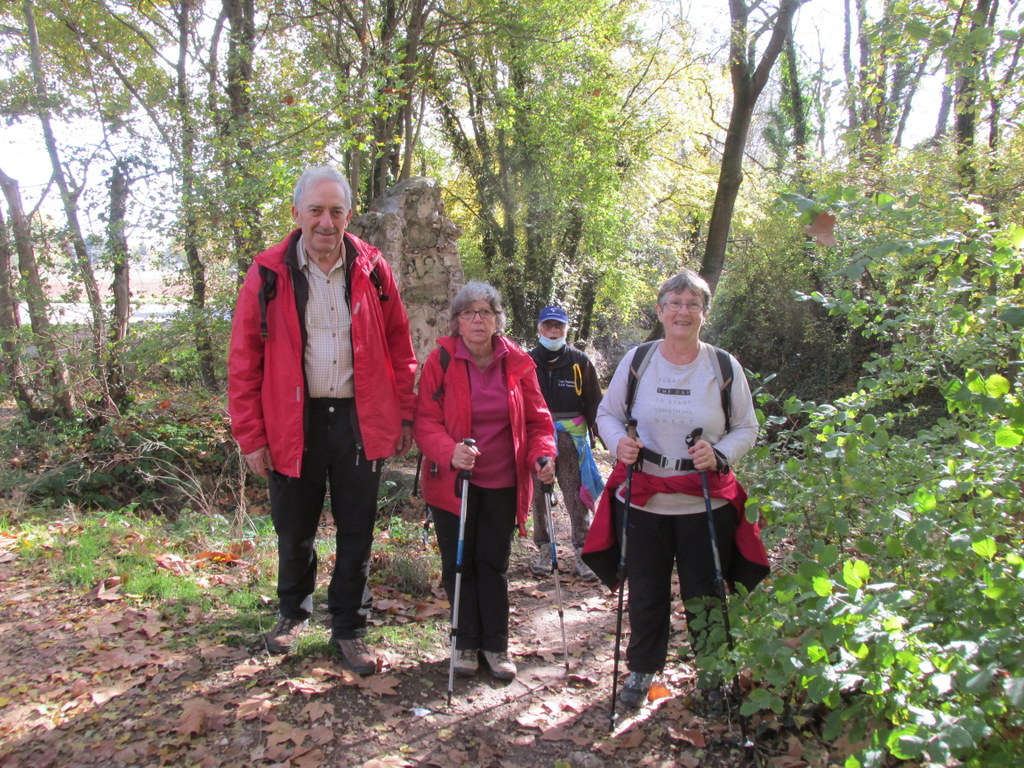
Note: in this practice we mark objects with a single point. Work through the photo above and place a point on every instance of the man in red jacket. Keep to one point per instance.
(320, 391)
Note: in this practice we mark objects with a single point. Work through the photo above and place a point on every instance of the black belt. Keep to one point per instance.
(327, 403)
(667, 462)
(565, 415)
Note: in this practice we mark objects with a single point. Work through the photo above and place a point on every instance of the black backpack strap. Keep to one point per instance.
(268, 290)
(444, 358)
(375, 279)
(724, 373)
(641, 358)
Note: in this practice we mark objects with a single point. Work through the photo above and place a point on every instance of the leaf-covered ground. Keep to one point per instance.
(102, 679)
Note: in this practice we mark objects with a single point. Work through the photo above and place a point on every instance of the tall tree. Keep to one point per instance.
(58, 388)
(542, 118)
(749, 73)
(69, 193)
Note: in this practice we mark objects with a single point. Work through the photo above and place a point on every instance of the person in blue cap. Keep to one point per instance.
(570, 387)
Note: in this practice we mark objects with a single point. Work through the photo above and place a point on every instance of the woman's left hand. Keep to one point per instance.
(545, 474)
(703, 455)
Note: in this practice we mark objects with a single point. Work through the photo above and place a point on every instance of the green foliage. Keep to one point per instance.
(164, 454)
(895, 611)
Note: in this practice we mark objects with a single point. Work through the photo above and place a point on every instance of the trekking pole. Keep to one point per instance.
(691, 440)
(464, 475)
(627, 492)
(548, 489)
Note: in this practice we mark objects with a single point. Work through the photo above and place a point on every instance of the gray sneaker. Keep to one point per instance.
(356, 655)
(284, 634)
(541, 565)
(502, 667)
(583, 571)
(634, 692)
(467, 662)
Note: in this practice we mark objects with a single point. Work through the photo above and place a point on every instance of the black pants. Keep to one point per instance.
(331, 455)
(483, 599)
(655, 544)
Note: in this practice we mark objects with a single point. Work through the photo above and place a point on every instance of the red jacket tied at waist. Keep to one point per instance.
(600, 550)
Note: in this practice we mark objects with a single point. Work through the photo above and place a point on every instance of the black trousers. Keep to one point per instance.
(483, 599)
(655, 545)
(331, 456)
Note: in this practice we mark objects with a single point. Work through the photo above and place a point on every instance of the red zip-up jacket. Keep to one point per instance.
(443, 421)
(266, 377)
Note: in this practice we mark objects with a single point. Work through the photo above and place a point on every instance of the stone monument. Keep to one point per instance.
(410, 228)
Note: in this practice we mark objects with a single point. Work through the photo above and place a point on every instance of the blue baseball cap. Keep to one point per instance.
(553, 313)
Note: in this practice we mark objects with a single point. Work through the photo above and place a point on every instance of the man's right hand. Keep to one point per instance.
(259, 462)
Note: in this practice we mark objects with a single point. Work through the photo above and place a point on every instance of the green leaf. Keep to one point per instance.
(822, 586)
(985, 548)
(758, 699)
(996, 385)
(855, 573)
(904, 743)
(1009, 437)
(924, 501)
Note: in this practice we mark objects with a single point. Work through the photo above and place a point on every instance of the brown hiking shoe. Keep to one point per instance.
(284, 634)
(356, 655)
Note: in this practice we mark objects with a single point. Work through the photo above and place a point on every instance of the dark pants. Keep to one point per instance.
(483, 599)
(655, 544)
(296, 504)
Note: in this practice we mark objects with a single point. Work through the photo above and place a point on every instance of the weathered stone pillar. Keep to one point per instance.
(409, 227)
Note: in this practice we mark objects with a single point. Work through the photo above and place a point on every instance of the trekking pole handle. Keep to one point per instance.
(693, 437)
(465, 474)
(546, 487)
(638, 465)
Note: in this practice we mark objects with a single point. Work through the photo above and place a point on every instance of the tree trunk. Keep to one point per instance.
(748, 80)
(35, 299)
(10, 363)
(117, 251)
(242, 185)
(190, 203)
(798, 112)
(69, 198)
(965, 101)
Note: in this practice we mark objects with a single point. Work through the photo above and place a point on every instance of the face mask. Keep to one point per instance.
(552, 345)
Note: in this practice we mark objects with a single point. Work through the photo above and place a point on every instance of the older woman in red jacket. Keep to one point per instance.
(477, 384)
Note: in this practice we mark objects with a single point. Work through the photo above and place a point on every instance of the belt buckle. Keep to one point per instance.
(664, 462)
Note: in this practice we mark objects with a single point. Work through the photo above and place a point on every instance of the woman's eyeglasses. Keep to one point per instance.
(469, 314)
(678, 306)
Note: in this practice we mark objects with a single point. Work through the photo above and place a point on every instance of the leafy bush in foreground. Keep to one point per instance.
(894, 618)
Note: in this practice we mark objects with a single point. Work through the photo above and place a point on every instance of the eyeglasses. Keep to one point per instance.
(678, 306)
(484, 314)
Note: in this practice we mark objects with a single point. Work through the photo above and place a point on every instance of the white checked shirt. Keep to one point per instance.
(328, 355)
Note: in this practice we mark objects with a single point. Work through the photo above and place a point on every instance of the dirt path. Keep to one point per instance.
(87, 681)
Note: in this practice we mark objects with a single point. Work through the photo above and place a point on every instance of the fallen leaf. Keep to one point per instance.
(198, 716)
(690, 735)
(658, 691)
(254, 706)
(382, 686)
(281, 731)
(173, 563)
(306, 686)
(392, 761)
(108, 589)
(317, 709)
(302, 758)
(561, 733)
